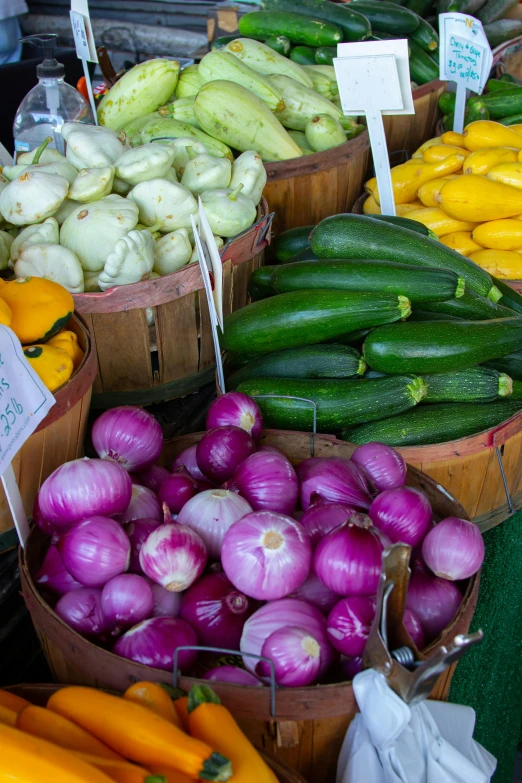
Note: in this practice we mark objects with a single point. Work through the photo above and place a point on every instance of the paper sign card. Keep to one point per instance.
(83, 28)
(205, 232)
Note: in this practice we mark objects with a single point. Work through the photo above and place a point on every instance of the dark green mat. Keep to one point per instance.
(489, 677)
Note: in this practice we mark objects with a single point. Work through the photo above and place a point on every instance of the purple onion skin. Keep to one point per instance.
(317, 593)
(349, 624)
(304, 467)
(42, 523)
(348, 561)
(152, 642)
(403, 514)
(335, 480)
(217, 611)
(174, 556)
(268, 482)
(232, 674)
(138, 531)
(237, 409)
(95, 550)
(143, 505)
(81, 609)
(434, 601)
(166, 604)
(126, 600)
(53, 575)
(221, 450)
(349, 667)
(130, 436)
(413, 626)
(322, 518)
(187, 460)
(176, 490)
(296, 656)
(151, 478)
(454, 549)
(385, 467)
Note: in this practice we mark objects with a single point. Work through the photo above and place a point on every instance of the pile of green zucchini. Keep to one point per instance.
(290, 28)
(389, 334)
(501, 101)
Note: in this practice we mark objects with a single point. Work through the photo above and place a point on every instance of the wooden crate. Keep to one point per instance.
(140, 364)
(309, 724)
(407, 132)
(57, 439)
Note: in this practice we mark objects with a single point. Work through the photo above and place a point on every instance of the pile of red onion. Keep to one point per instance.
(234, 549)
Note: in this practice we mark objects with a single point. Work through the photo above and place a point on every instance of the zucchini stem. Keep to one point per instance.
(505, 385)
(461, 287)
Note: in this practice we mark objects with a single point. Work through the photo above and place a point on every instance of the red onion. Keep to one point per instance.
(348, 560)
(211, 513)
(266, 555)
(54, 576)
(187, 459)
(271, 449)
(166, 604)
(221, 450)
(384, 466)
(321, 519)
(84, 488)
(126, 600)
(434, 601)
(143, 505)
(303, 468)
(151, 478)
(216, 611)
(81, 610)
(296, 656)
(42, 523)
(282, 614)
(237, 409)
(317, 593)
(349, 667)
(454, 549)
(176, 490)
(130, 436)
(232, 674)
(414, 628)
(138, 531)
(267, 481)
(174, 556)
(336, 480)
(152, 642)
(403, 514)
(95, 550)
(349, 624)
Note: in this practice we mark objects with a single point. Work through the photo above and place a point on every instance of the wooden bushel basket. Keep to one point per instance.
(406, 131)
(309, 724)
(57, 439)
(141, 365)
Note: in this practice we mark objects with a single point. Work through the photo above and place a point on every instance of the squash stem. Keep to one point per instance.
(494, 294)
(418, 389)
(505, 385)
(233, 196)
(216, 768)
(404, 306)
(201, 694)
(39, 151)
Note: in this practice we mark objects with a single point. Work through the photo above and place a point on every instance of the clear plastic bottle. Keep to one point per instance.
(50, 104)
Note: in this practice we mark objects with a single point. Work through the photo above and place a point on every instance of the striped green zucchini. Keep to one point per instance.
(478, 384)
(510, 364)
(470, 306)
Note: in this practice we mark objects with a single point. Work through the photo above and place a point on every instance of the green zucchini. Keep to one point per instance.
(388, 17)
(314, 361)
(260, 283)
(510, 297)
(425, 36)
(447, 102)
(419, 7)
(422, 68)
(222, 41)
(416, 282)
(440, 346)
(478, 384)
(288, 243)
(308, 317)
(497, 85)
(374, 374)
(355, 339)
(495, 9)
(354, 25)
(280, 44)
(306, 254)
(508, 77)
(470, 307)
(473, 113)
(517, 392)
(404, 222)
(340, 403)
(514, 119)
(510, 364)
(422, 315)
(502, 30)
(324, 55)
(434, 423)
(501, 104)
(299, 29)
(304, 55)
(360, 236)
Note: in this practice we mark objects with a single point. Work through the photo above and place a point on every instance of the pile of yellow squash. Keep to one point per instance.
(467, 189)
(38, 310)
(85, 735)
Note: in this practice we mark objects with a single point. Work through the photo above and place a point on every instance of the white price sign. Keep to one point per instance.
(24, 403)
(464, 58)
(84, 42)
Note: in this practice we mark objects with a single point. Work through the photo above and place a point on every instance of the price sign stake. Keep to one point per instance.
(374, 79)
(464, 58)
(24, 403)
(84, 42)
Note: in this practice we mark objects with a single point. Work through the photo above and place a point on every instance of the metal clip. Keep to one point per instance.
(299, 399)
(266, 228)
(504, 481)
(390, 649)
(221, 650)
